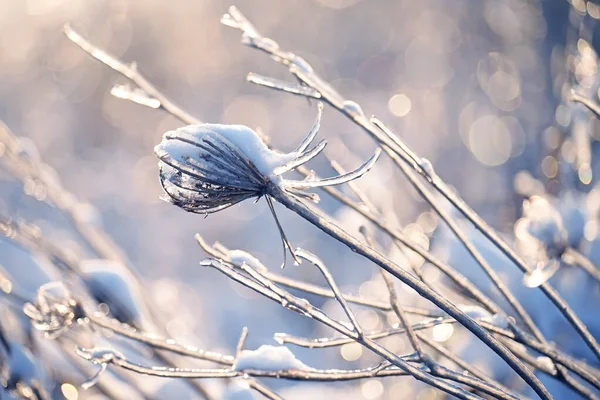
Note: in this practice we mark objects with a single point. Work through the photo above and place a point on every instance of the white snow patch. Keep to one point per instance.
(269, 358)
(474, 312)
(544, 222)
(245, 139)
(541, 274)
(547, 363)
(238, 257)
(112, 283)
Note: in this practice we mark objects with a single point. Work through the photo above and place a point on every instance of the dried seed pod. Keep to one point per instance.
(209, 167)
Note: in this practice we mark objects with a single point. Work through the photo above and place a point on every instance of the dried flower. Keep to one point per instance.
(209, 167)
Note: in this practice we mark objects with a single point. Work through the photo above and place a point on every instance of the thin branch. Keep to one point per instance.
(460, 362)
(131, 72)
(324, 342)
(410, 333)
(412, 337)
(437, 370)
(100, 356)
(262, 389)
(558, 356)
(481, 385)
(371, 208)
(586, 371)
(334, 288)
(574, 257)
(284, 86)
(590, 104)
(241, 340)
(575, 384)
(174, 347)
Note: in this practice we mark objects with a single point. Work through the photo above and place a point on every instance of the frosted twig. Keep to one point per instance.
(482, 385)
(362, 197)
(574, 257)
(102, 356)
(284, 86)
(185, 350)
(316, 261)
(275, 293)
(438, 370)
(105, 357)
(575, 384)
(578, 367)
(575, 366)
(262, 389)
(412, 337)
(460, 362)
(290, 300)
(131, 72)
(323, 342)
(105, 387)
(410, 333)
(391, 143)
(157, 342)
(241, 340)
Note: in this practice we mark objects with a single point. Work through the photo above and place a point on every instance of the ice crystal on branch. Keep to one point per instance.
(54, 310)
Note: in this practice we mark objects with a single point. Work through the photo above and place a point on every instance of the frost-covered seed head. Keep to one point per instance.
(208, 167)
(203, 171)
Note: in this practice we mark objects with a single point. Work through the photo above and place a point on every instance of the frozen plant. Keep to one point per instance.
(209, 167)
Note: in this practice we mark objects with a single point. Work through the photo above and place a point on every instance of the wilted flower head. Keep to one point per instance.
(209, 167)
(54, 310)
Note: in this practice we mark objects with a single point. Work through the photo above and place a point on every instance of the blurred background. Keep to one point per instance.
(478, 88)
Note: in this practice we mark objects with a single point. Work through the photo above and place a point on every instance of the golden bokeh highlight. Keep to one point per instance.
(372, 389)
(351, 351)
(69, 391)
